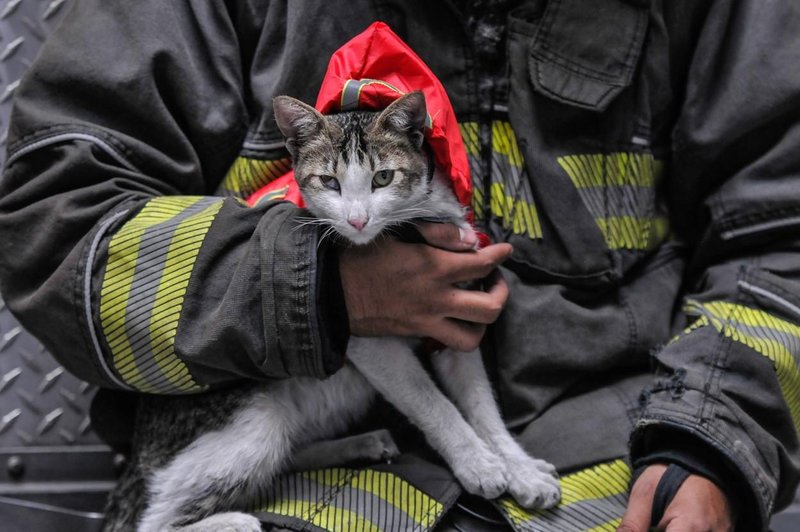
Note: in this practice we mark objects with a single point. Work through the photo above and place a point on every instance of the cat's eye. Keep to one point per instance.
(382, 178)
(330, 182)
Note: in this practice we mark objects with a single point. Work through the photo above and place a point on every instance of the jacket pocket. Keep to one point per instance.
(585, 53)
(580, 106)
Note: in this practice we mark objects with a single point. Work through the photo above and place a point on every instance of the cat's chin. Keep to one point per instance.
(361, 238)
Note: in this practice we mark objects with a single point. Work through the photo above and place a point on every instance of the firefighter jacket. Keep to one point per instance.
(641, 156)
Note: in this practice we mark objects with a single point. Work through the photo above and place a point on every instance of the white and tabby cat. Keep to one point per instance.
(360, 172)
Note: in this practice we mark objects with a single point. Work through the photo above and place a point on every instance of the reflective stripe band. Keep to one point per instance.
(351, 95)
(504, 143)
(618, 189)
(247, 175)
(776, 339)
(592, 499)
(630, 232)
(150, 261)
(510, 195)
(277, 194)
(350, 499)
(612, 169)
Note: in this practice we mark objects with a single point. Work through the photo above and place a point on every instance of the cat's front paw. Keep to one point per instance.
(482, 473)
(533, 483)
(226, 522)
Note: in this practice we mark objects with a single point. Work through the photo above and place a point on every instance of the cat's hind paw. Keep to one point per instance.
(482, 473)
(533, 484)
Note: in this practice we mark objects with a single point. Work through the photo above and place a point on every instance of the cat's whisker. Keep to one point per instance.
(330, 232)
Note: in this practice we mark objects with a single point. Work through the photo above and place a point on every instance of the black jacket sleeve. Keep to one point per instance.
(731, 379)
(114, 253)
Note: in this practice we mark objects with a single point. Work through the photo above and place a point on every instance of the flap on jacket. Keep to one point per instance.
(585, 52)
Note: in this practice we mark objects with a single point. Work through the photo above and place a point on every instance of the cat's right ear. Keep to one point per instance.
(296, 120)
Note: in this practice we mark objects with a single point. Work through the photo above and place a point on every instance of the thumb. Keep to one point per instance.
(448, 236)
(640, 503)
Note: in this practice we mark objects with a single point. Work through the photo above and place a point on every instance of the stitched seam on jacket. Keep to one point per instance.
(760, 226)
(65, 137)
(753, 289)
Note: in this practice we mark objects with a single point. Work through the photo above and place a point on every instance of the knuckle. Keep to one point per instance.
(495, 308)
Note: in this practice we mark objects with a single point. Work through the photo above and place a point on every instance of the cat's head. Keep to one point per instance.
(359, 171)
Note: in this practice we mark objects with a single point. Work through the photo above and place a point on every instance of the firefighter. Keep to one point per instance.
(640, 156)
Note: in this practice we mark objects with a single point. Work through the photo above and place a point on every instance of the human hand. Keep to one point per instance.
(400, 289)
(699, 505)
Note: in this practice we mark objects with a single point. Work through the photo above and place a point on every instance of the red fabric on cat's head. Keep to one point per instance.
(371, 71)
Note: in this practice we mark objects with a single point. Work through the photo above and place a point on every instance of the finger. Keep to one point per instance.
(458, 268)
(474, 306)
(477, 306)
(457, 334)
(497, 287)
(640, 502)
(448, 236)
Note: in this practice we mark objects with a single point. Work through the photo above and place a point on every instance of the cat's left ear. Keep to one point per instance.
(408, 115)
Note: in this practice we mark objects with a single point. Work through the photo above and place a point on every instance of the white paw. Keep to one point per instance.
(482, 473)
(533, 483)
(229, 522)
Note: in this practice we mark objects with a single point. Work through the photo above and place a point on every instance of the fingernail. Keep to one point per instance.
(467, 237)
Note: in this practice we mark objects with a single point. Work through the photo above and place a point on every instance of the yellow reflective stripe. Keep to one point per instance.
(118, 279)
(334, 518)
(326, 517)
(751, 316)
(246, 175)
(520, 215)
(391, 489)
(776, 339)
(150, 260)
(510, 195)
(418, 505)
(469, 134)
(172, 288)
(504, 142)
(602, 170)
(628, 232)
(617, 189)
(591, 499)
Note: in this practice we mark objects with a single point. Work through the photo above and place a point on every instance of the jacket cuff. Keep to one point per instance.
(659, 439)
(332, 316)
(671, 446)
(297, 281)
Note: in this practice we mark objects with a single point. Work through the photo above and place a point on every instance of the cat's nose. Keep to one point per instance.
(358, 222)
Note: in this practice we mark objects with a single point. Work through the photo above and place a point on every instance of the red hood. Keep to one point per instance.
(369, 72)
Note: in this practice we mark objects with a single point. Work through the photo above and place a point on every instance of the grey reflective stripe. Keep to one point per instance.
(352, 88)
(87, 297)
(66, 137)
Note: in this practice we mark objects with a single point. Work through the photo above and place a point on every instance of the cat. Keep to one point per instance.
(361, 173)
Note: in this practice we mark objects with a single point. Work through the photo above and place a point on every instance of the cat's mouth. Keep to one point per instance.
(360, 237)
